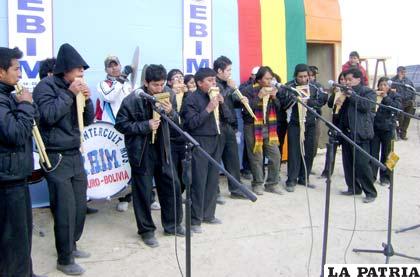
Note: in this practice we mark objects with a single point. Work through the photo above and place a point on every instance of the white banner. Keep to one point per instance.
(371, 270)
(197, 35)
(30, 29)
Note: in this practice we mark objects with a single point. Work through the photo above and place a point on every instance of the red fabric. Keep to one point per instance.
(98, 111)
(348, 65)
(249, 22)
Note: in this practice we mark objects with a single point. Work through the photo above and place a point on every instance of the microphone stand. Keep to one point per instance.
(388, 250)
(335, 131)
(193, 145)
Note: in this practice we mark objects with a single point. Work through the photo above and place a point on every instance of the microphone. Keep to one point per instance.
(390, 83)
(290, 88)
(335, 84)
(140, 93)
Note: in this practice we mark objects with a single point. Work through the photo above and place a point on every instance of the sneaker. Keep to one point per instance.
(155, 206)
(71, 269)
(196, 229)
(290, 188)
(180, 232)
(122, 206)
(273, 189)
(213, 221)
(80, 254)
(258, 190)
(151, 241)
(220, 200)
(368, 199)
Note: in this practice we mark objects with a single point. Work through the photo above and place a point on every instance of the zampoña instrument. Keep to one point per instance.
(161, 98)
(213, 92)
(80, 106)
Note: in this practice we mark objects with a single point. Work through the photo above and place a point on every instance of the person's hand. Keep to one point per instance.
(220, 98)
(212, 105)
(127, 70)
(86, 91)
(166, 106)
(245, 100)
(262, 93)
(273, 93)
(339, 101)
(154, 124)
(78, 85)
(25, 95)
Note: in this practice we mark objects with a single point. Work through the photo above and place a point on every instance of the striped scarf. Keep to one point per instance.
(273, 139)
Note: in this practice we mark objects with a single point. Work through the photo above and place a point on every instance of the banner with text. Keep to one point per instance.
(197, 35)
(30, 29)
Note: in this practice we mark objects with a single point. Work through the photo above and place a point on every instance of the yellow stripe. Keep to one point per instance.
(273, 33)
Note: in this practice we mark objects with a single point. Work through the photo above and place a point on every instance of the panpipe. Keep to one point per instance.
(246, 105)
(161, 98)
(180, 90)
(80, 107)
(213, 92)
(338, 95)
(43, 157)
(379, 98)
(265, 102)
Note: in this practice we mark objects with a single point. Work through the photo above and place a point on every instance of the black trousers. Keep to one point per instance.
(404, 121)
(169, 200)
(281, 133)
(15, 231)
(245, 160)
(327, 156)
(67, 187)
(205, 180)
(295, 166)
(362, 169)
(230, 155)
(381, 142)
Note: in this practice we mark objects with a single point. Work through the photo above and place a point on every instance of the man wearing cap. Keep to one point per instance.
(67, 184)
(408, 99)
(113, 89)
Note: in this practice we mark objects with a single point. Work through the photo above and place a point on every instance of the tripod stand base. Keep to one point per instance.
(388, 251)
(408, 229)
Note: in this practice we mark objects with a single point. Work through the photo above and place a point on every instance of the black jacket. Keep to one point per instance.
(58, 121)
(16, 152)
(316, 100)
(356, 115)
(251, 92)
(232, 101)
(407, 95)
(133, 122)
(385, 119)
(197, 121)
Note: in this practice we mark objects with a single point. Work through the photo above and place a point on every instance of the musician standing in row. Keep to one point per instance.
(201, 122)
(17, 114)
(408, 100)
(296, 171)
(229, 126)
(384, 128)
(67, 184)
(261, 133)
(356, 121)
(151, 159)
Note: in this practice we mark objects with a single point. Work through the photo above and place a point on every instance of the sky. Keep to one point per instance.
(382, 28)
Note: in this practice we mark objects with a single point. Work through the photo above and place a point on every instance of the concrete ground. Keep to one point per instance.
(271, 237)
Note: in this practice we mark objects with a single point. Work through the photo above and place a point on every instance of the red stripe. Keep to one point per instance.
(250, 53)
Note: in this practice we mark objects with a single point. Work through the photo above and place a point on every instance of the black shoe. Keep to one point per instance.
(235, 195)
(368, 199)
(385, 182)
(80, 254)
(180, 232)
(324, 174)
(90, 210)
(196, 229)
(348, 193)
(71, 269)
(302, 183)
(151, 241)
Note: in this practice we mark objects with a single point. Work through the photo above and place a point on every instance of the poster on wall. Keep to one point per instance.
(30, 29)
(197, 35)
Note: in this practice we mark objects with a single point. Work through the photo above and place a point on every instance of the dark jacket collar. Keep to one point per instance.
(5, 88)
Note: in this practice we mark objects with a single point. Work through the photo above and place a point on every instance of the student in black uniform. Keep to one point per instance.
(200, 121)
(384, 127)
(356, 121)
(17, 113)
(56, 99)
(150, 159)
(228, 144)
(316, 99)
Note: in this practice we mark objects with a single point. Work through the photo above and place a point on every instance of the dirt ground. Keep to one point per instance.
(271, 237)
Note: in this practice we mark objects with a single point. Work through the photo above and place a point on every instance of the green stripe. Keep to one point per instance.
(295, 35)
